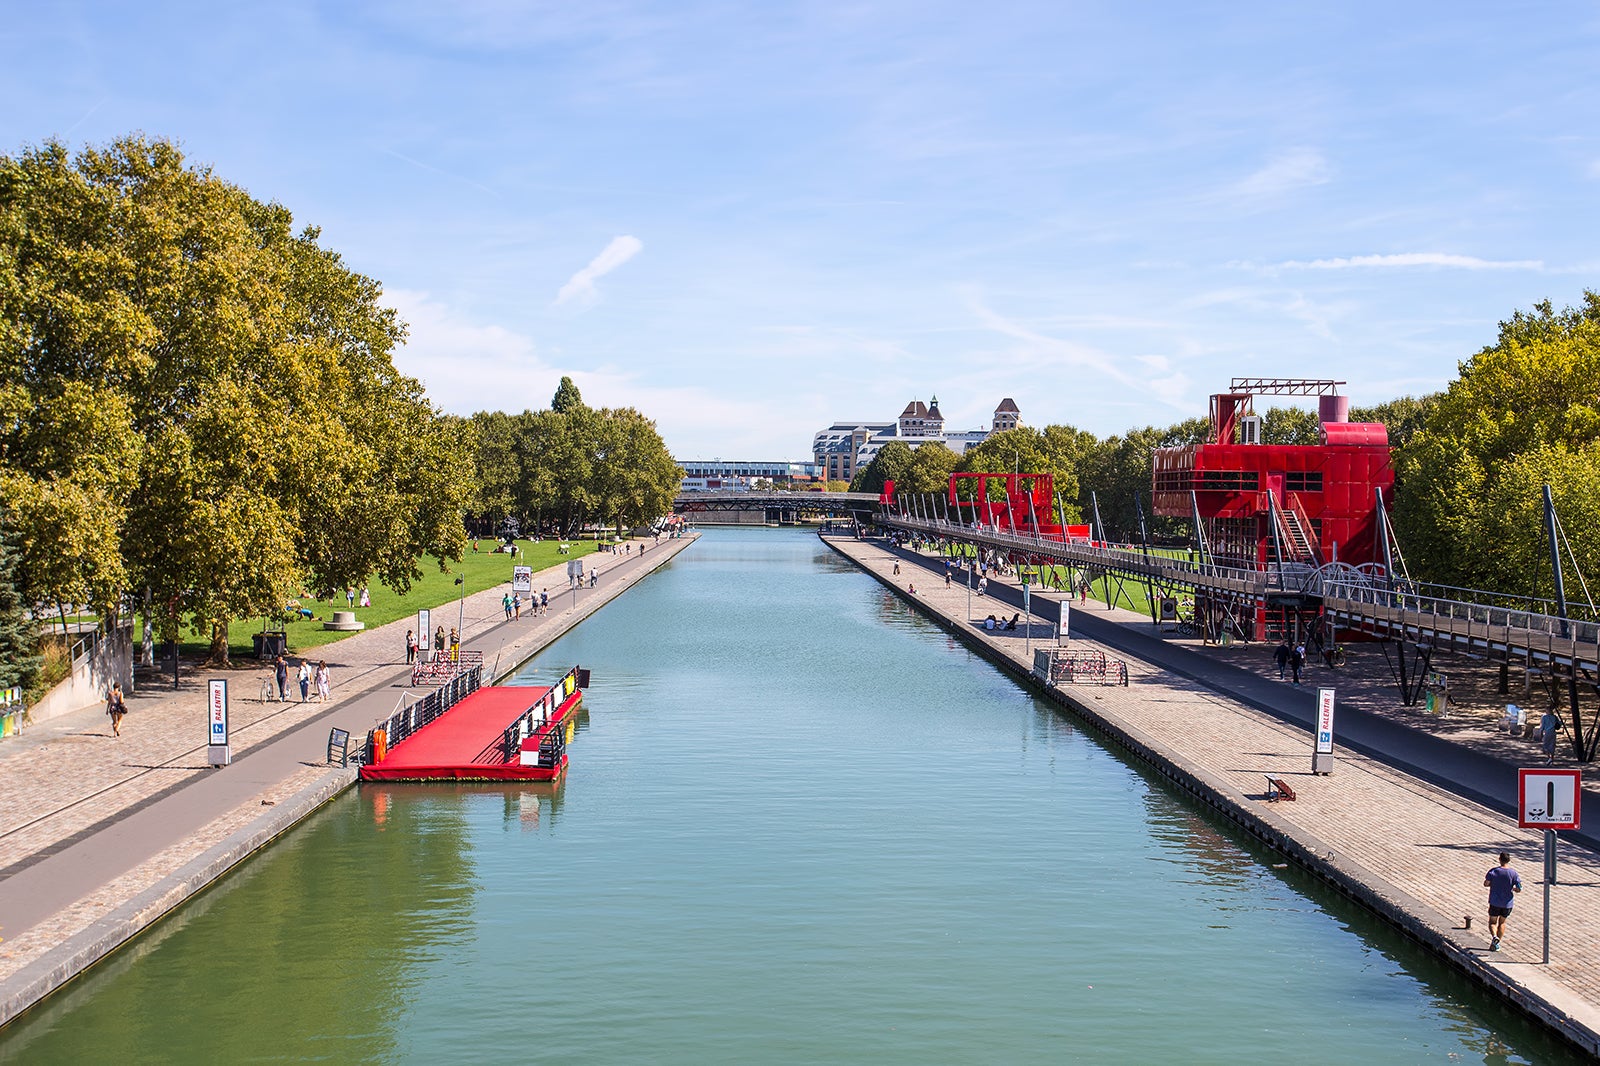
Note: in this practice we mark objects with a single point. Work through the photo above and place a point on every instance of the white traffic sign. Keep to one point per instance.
(1549, 799)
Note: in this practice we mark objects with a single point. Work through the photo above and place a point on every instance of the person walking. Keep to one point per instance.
(594, 576)
(1083, 590)
(505, 602)
(324, 682)
(544, 599)
(304, 677)
(1297, 660)
(117, 708)
(350, 596)
(1282, 656)
(897, 568)
(1549, 730)
(516, 606)
(280, 670)
(947, 577)
(411, 647)
(1503, 884)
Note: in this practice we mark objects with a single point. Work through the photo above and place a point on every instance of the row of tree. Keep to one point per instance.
(1469, 462)
(571, 466)
(199, 409)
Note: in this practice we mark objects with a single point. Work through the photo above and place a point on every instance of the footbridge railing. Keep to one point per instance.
(1351, 599)
(1477, 628)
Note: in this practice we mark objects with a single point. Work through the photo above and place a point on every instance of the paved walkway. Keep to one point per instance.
(89, 821)
(1419, 845)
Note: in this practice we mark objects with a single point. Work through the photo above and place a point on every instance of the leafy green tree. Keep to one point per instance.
(1526, 407)
(1290, 425)
(19, 658)
(567, 398)
(246, 429)
(1119, 468)
(892, 463)
(930, 469)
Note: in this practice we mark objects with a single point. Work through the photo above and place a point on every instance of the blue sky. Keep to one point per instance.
(751, 219)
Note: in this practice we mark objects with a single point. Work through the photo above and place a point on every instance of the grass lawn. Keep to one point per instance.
(481, 570)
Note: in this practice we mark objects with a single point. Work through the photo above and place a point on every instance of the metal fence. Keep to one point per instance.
(406, 720)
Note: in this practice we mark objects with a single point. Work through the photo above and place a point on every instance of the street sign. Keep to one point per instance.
(1548, 799)
(217, 750)
(522, 579)
(1322, 753)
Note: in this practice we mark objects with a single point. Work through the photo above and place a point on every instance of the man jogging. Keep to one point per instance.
(1503, 885)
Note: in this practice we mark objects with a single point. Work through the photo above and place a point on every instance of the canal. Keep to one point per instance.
(801, 825)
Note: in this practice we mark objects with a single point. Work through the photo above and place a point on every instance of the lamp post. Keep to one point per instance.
(461, 611)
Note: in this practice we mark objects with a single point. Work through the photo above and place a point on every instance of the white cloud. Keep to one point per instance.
(580, 288)
(467, 367)
(1043, 354)
(1292, 170)
(1414, 259)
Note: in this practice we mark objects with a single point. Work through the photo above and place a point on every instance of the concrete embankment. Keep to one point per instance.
(86, 882)
(1408, 849)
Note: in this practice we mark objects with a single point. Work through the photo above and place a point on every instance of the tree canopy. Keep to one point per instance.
(1523, 412)
(198, 400)
(570, 466)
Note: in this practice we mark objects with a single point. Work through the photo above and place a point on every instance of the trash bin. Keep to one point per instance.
(271, 643)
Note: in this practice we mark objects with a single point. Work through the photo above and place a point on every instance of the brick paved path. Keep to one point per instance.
(1420, 846)
(67, 780)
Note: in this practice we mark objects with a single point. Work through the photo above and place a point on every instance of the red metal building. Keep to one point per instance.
(1264, 505)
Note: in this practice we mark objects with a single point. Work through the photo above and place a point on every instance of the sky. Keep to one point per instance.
(750, 220)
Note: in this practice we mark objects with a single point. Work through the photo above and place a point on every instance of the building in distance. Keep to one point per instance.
(845, 447)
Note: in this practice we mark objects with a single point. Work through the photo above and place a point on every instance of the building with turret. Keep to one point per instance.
(845, 447)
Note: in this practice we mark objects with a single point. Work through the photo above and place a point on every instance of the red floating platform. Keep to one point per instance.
(471, 741)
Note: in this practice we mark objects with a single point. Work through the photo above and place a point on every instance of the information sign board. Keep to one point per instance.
(217, 711)
(522, 579)
(1549, 799)
(217, 751)
(425, 635)
(1324, 721)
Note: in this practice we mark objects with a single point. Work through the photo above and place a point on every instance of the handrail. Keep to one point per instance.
(404, 721)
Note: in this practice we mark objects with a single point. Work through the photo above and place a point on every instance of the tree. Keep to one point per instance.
(1119, 468)
(892, 463)
(1290, 425)
(567, 398)
(19, 659)
(930, 469)
(1526, 407)
(247, 428)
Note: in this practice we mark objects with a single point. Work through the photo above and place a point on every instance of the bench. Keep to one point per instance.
(1277, 789)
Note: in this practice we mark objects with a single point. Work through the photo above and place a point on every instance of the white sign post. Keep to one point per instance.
(217, 751)
(1549, 800)
(424, 636)
(522, 579)
(1322, 753)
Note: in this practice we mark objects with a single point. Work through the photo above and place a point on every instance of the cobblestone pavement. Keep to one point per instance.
(65, 780)
(1389, 829)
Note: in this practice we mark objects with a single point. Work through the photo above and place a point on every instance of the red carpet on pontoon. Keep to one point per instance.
(463, 744)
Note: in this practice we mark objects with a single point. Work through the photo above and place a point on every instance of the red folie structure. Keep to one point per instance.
(1280, 504)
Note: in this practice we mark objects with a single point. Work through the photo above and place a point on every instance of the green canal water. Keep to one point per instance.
(801, 825)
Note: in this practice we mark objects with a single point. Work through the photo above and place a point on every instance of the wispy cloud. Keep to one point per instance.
(1157, 378)
(580, 288)
(1413, 259)
(1283, 173)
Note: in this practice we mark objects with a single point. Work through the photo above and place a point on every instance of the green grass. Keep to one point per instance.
(481, 570)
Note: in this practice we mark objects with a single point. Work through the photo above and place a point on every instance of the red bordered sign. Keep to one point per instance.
(1548, 799)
